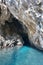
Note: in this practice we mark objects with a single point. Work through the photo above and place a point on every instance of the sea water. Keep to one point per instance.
(21, 56)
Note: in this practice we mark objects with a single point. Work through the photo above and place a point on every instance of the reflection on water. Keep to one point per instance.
(21, 56)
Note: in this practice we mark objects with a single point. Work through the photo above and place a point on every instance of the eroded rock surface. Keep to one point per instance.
(30, 14)
(9, 28)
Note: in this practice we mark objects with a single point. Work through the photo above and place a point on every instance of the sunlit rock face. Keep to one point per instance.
(30, 14)
(4, 13)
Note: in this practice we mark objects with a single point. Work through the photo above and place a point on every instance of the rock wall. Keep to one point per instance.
(30, 13)
(10, 28)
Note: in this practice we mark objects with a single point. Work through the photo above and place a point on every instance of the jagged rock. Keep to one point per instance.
(8, 30)
(30, 14)
(4, 13)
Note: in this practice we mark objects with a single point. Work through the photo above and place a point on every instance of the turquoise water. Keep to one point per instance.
(21, 56)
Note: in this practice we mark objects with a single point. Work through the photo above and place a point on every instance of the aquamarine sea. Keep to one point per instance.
(21, 56)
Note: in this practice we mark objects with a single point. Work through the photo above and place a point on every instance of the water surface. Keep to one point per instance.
(21, 56)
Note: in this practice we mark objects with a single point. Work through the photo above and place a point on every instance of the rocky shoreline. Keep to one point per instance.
(10, 43)
(30, 14)
(30, 20)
